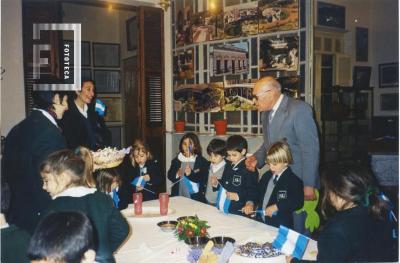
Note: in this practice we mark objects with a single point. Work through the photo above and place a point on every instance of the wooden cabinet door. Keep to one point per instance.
(151, 79)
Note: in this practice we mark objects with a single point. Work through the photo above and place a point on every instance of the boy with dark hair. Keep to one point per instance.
(216, 150)
(240, 184)
(65, 237)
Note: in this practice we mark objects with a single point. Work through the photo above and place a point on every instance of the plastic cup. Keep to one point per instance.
(164, 200)
(137, 201)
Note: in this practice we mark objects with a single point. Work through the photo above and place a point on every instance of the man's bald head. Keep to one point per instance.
(266, 91)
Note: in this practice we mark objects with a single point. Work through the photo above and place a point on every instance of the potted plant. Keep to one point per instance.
(220, 123)
(191, 227)
(180, 121)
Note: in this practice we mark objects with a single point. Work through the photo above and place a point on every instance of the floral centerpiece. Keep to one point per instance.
(191, 227)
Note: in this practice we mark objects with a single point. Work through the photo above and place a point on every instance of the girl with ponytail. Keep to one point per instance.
(358, 228)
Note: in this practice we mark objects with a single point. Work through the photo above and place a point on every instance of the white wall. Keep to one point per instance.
(381, 17)
(12, 85)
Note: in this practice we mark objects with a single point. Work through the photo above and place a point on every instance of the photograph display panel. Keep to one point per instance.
(241, 20)
(276, 15)
(238, 95)
(229, 59)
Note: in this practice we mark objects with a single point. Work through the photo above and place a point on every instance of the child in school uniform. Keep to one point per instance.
(189, 169)
(240, 183)
(143, 168)
(63, 178)
(216, 150)
(108, 181)
(280, 191)
(357, 228)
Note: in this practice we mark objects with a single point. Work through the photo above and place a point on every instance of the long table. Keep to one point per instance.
(148, 243)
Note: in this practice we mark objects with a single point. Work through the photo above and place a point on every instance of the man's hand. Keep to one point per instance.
(251, 163)
(289, 259)
(139, 188)
(309, 193)
(248, 209)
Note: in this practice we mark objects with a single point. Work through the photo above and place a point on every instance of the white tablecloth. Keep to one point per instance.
(147, 243)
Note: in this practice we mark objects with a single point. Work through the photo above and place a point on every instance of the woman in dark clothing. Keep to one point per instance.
(81, 125)
(357, 229)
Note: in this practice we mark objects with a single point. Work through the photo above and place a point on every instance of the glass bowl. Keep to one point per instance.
(196, 242)
(220, 241)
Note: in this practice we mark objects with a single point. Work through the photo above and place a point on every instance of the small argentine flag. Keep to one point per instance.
(115, 197)
(139, 181)
(191, 186)
(100, 107)
(290, 242)
(223, 202)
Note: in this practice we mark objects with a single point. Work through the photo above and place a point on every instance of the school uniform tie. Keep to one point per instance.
(141, 171)
(268, 192)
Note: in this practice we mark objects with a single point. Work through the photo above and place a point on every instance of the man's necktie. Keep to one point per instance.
(275, 179)
(271, 115)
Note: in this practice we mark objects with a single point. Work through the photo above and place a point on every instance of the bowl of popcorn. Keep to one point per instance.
(108, 157)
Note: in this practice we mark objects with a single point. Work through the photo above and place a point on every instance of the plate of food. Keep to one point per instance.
(147, 212)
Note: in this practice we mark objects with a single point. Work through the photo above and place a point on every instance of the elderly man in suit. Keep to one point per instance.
(26, 146)
(284, 117)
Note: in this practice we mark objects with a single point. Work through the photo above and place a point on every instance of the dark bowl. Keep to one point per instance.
(185, 217)
(197, 242)
(220, 242)
(167, 226)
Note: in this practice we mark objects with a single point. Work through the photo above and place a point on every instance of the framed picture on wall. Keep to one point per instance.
(131, 33)
(106, 55)
(388, 75)
(361, 44)
(330, 15)
(107, 81)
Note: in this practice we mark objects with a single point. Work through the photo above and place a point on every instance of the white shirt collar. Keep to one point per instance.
(77, 191)
(234, 167)
(82, 111)
(276, 106)
(185, 159)
(216, 167)
(48, 116)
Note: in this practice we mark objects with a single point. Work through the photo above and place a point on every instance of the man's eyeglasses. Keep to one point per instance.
(257, 96)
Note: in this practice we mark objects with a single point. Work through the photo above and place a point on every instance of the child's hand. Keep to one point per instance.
(146, 177)
(232, 196)
(214, 181)
(270, 210)
(288, 259)
(139, 188)
(248, 209)
(180, 173)
(188, 171)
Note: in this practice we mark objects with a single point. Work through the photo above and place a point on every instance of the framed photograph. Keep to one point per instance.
(361, 77)
(131, 33)
(330, 15)
(389, 102)
(229, 59)
(114, 109)
(388, 75)
(85, 52)
(279, 53)
(361, 44)
(106, 55)
(107, 81)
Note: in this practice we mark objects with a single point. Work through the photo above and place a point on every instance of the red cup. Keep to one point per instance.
(164, 199)
(137, 201)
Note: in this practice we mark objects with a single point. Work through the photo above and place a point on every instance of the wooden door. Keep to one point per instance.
(151, 79)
